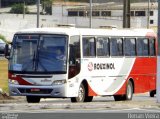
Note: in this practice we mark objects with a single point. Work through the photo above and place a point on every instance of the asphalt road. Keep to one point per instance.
(142, 107)
(140, 103)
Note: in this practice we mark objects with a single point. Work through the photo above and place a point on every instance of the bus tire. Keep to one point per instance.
(33, 99)
(128, 95)
(81, 95)
(152, 93)
(129, 91)
(117, 97)
(88, 99)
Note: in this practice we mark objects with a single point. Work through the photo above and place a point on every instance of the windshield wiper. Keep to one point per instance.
(37, 62)
(34, 60)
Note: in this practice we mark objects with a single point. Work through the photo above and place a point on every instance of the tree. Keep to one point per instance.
(3, 38)
(19, 9)
(47, 6)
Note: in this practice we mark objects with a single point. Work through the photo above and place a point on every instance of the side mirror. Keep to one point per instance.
(7, 51)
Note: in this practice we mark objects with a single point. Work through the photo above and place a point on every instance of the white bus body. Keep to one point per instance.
(92, 73)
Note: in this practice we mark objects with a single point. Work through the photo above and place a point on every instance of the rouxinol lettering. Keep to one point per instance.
(100, 66)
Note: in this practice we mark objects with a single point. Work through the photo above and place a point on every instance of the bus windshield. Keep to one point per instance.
(39, 54)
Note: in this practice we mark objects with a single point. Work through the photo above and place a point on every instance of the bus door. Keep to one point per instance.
(74, 56)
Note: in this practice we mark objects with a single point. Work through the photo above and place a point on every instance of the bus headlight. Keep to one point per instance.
(59, 82)
(15, 82)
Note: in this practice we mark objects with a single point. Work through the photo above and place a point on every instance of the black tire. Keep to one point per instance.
(152, 93)
(81, 95)
(88, 99)
(128, 95)
(129, 91)
(119, 97)
(33, 99)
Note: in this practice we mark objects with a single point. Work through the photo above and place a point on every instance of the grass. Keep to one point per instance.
(4, 75)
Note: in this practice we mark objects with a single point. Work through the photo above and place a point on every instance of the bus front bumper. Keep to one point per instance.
(42, 91)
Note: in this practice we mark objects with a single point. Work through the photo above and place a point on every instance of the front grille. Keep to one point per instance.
(30, 91)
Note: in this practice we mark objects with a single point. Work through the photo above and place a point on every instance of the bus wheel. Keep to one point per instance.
(152, 93)
(33, 99)
(128, 95)
(81, 95)
(118, 97)
(88, 99)
(129, 91)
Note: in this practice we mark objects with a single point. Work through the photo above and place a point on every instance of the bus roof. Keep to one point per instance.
(89, 32)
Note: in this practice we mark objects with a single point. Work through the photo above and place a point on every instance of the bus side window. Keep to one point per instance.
(152, 47)
(102, 46)
(89, 49)
(130, 47)
(116, 45)
(142, 47)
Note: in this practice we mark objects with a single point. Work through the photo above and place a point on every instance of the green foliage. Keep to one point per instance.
(47, 6)
(3, 38)
(48, 10)
(19, 9)
(6, 3)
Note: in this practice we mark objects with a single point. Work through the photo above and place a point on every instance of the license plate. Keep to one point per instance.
(35, 90)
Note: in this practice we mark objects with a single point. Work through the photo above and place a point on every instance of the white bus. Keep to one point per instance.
(80, 63)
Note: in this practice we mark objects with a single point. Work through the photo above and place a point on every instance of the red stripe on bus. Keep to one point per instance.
(20, 80)
(91, 92)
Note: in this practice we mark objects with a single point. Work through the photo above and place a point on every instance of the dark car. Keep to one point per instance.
(2, 47)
